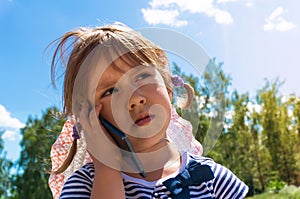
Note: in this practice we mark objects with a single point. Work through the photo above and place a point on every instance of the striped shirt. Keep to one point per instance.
(224, 184)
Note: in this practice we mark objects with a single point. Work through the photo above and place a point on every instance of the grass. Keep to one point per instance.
(288, 192)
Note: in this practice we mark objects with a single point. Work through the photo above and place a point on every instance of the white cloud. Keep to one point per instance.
(7, 121)
(9, 124)
(162, 3)
(276, 13)
(226, 1)
(166, 17)
(276, 22)
(249, 4)
(11, 135)
(222, 17)
(167, 12)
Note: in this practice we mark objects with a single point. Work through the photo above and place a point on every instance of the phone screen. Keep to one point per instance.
(118, 135)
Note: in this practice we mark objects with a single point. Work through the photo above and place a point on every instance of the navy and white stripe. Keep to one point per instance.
(80, 184)
(225, 185)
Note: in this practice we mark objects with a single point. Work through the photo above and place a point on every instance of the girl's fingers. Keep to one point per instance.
(84, 116)
(98, 109)
(94, 116)
(99, 143)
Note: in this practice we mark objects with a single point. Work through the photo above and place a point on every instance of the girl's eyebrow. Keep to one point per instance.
(105, 84)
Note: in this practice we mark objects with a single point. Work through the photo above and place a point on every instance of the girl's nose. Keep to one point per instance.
(136, 100)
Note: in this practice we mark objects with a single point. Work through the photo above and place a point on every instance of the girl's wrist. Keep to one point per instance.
(99, 166)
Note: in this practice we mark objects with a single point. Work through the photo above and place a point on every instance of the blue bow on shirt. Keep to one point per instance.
(193, 174)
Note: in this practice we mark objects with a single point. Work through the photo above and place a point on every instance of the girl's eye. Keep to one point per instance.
(142, 76)
(110, 91)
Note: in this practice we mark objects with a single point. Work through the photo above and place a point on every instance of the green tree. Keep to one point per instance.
(289, 144)
(296, 126)
(270, 122)
(278, 135)
(206, 113)
(290, 137)
(261, 146)
(34, 164)
(261, 156)
(238, 147)
(241, 151)
(5, 176)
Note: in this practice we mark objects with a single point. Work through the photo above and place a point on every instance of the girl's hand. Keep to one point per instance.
(99, 143)
(106, 156)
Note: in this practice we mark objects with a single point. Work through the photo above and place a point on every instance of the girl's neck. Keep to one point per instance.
(159, 162)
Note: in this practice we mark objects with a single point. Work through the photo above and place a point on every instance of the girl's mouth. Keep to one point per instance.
(144, 121)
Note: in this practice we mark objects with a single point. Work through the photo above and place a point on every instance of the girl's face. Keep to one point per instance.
(136, 100)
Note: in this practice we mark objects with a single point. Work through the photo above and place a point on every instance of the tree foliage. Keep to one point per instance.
(34, 164)
(207, 111)
(260, 141)
(5, 172)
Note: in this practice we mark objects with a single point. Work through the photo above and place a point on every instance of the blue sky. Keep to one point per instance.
(256, 39)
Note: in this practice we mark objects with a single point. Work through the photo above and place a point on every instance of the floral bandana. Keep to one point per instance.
(179, 133)
(59, 153)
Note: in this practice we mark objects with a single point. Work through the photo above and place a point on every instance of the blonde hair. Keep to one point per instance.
(75, 46)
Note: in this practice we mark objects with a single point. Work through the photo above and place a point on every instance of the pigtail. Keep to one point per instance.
(177, 81)
(69, 158)
(72, 150)
(190, 96)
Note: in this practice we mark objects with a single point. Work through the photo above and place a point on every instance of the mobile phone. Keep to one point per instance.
(117, 134)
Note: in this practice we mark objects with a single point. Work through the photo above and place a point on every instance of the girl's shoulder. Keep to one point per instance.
(87, 171)
(199, 158)
(88, 167)
(225, 183)
(80, 184)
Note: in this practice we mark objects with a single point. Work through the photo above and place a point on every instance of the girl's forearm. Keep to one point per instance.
(108, 183)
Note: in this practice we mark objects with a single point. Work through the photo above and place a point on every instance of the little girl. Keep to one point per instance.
(115, 73)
